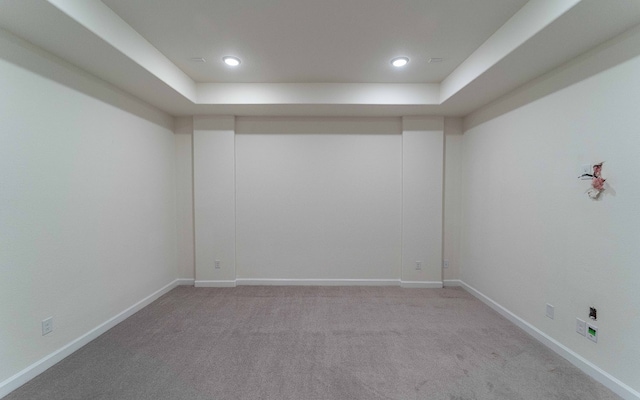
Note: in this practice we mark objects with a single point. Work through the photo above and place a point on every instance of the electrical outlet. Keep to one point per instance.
(550, 311)
(445, 264)
(418, 265)
(217, 264)
(592, 333)
(47, 326)
(581, 327)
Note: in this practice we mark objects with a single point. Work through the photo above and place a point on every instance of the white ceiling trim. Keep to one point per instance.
(542, 36)
(522, 26)
(319, 93)
(95, 16)
(109, 27)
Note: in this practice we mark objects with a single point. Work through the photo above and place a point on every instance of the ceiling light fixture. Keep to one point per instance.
(400, 61)
(231, 61)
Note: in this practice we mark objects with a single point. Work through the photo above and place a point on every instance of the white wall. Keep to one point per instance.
(531, 234)
(319, 198)
(184, 196)
(87, 209)
(333, 200)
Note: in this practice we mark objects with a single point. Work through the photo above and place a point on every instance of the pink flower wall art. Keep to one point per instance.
(597, 181)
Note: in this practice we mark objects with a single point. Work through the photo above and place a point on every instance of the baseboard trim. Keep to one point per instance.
(317, 282)
(620, 388)
(185, 282)
(12, 383)
(230, 283)
(452, 282)
(421, 284)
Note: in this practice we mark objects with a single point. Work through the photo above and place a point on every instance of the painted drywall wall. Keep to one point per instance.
(531, 236)
(87, 203)
(422, 185)
(184, 197)
(452, 197)
(214, 199)
(324, 200)
(318, 198)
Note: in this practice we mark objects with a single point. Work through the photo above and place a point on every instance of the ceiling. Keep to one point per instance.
(309, 57)
(316, 41)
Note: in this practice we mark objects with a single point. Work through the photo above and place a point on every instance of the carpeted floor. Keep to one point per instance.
(308, 343)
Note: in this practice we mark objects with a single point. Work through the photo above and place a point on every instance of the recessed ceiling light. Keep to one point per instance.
(399, 61)
(231, 61)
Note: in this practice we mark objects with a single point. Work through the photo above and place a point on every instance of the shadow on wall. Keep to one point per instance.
(32, 58)
(607, 55)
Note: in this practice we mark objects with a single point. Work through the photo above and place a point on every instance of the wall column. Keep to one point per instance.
(422, 185)
(214, 200)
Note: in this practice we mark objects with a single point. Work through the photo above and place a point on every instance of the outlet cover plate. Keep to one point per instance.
(592, 333)
(581, 327)
(47, 326)
(550, 311)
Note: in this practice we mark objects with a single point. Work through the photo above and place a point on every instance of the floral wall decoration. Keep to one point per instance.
(597, 181)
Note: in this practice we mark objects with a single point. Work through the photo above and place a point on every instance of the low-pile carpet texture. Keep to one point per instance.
(308, 343)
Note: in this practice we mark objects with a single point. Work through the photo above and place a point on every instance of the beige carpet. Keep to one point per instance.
(342, 343)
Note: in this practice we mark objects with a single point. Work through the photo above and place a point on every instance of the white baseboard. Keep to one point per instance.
(620, 388)
(452, 282)
(230, 283)
(320, 282)
(35, 369)
(317, 282)
(421, 284)
(185, 282)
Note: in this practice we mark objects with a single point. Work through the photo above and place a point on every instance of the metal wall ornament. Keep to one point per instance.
(597, 181)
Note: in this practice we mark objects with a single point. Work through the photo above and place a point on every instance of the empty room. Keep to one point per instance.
(337, 199)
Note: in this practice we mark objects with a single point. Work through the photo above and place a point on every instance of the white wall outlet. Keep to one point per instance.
(592, 333)
(445, 264)
(47, 326)
(217, 264)
(550, 311)
(418, 265)
(581, 327)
